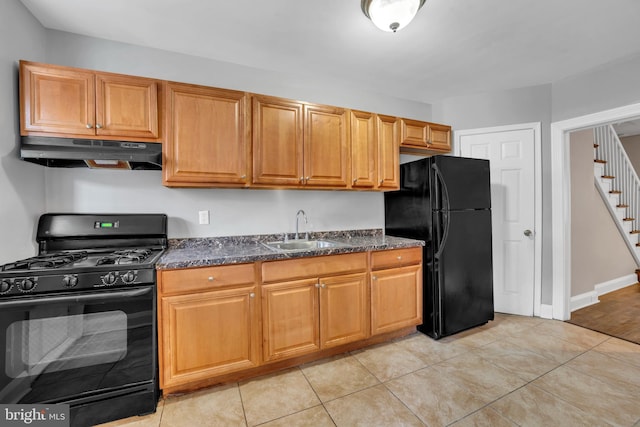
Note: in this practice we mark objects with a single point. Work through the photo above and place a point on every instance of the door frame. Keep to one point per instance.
(537, 179)
(561, 198)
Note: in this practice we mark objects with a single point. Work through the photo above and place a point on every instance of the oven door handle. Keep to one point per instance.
(94, 297)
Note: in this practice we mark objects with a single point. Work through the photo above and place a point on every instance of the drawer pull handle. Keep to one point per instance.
(211, 278)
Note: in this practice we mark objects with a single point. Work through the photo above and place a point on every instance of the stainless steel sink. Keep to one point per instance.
(302, 245)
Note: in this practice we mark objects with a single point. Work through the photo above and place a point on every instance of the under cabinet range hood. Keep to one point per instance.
(97, 154)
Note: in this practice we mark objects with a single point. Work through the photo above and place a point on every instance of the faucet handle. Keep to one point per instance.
(285, 237)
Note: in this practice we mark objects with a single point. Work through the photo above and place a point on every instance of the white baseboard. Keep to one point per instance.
(591, 297)
(546, 311)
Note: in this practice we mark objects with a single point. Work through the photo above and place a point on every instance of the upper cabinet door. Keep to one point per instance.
(326, 146)
(414, 133)
(440, 137)
(207, 138)
(56, 100)
(364, 156)
(277, 141)
(126, 106)
(388, 153)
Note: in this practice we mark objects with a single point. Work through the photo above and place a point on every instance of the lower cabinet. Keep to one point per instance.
(209, 333)
(304, 316)
(396, 289)
(223, 320)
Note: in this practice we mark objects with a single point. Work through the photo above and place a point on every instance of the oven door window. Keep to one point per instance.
(66, 341)
(61, 347)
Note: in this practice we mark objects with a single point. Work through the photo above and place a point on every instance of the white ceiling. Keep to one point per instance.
(453, 47)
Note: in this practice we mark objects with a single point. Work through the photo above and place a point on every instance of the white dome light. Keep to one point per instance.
(391, 15)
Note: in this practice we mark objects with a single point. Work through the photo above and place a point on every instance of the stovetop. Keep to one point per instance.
(79, 270)
(88, 252)
(83, 260)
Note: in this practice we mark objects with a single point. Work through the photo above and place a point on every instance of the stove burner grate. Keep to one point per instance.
(53, 260)
(128, 256)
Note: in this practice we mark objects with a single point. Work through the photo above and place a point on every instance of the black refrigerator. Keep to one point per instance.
(446, 201)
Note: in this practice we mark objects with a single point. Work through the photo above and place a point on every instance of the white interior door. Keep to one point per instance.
(512, 160)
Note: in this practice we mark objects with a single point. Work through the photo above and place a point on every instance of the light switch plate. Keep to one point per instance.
(203, 217)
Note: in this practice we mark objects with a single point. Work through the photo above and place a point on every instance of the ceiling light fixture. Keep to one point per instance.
(391, 15)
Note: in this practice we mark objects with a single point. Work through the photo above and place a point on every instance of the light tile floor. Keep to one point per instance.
(513, 371)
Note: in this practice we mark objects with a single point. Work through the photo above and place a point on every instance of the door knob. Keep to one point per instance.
(528, 233)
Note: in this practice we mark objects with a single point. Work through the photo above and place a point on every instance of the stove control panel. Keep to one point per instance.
(70, 281)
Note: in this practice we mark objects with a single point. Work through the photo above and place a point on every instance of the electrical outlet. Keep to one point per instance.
(203, 217)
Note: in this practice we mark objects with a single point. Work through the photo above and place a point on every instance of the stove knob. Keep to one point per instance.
(4, 286)
(109, 279)
(26, 285)
(128, 277)
(70, 280)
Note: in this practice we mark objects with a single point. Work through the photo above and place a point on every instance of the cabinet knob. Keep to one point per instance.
(355, 180)
(398, 257)
(323, 285)
(307, 179)
(381, 181)
(98, 126)
(89, 126)
(317, 285)
(302, 179)
(374, 277)
(252, 295)
(243, 176)
(211, 278)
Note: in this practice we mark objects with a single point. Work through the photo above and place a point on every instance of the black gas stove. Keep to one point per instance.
(79, 252)
(78, 321)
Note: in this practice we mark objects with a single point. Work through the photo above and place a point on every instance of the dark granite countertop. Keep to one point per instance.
(201, 252)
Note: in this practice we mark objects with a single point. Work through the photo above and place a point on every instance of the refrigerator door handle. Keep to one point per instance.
(444, 215)
(445, 234)
(443, 187)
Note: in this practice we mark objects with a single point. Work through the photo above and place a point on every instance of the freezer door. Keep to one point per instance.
(461, 183)
(463, 271)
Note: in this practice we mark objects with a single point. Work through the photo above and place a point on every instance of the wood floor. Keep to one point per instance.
(617, 314)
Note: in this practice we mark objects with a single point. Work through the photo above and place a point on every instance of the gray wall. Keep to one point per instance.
(22, 196)
(598, 252)
(524, 105)
(610, 86)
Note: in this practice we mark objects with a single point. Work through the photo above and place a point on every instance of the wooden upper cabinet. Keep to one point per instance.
(71, 102)
(388, 177)
(440, 137)
(126, 106)
(207, 137)
(299, 144)
(277, 141)
(56, 100)
(417, 137)
(364, 150)
(325, 146)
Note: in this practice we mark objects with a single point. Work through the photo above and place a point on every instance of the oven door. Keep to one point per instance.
(65, 346)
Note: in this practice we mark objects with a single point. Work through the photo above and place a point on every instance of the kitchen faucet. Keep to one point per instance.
(306, 221)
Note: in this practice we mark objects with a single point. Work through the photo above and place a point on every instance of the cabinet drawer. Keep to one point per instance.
(395, 258)
(198, 279)
(273, 271)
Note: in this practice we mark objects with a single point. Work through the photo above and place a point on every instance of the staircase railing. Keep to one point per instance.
(625, 179)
